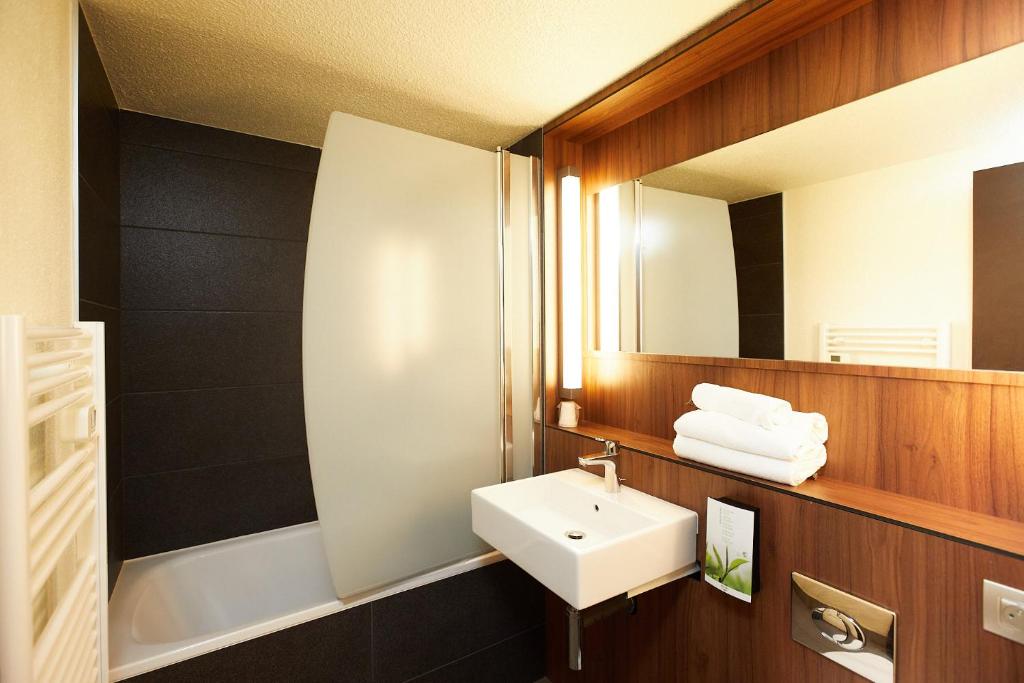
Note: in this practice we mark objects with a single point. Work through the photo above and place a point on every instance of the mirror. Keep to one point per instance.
(888, 231)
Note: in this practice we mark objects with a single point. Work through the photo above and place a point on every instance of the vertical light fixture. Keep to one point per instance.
(609, 231)
(571, 248)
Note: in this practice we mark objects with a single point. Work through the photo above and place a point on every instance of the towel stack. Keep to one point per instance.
(751, 433)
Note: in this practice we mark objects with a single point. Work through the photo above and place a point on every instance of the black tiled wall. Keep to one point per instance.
(757, 243)
(213, 244)
(99, 281)
(485, 625)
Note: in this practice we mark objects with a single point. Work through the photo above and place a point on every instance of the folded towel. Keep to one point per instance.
(815, 424)
(792, 472)
(792, 441)
(764, 411)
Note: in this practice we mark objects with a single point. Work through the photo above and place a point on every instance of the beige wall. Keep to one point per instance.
(36, 148)
(886, 247)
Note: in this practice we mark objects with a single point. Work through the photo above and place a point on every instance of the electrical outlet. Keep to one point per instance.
(1003, 610)
(1011, 613)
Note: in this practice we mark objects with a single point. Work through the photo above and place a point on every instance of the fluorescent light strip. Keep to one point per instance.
(572, 284)
(609, 254)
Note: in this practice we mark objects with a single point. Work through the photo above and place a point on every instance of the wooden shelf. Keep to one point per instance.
(1001, 535)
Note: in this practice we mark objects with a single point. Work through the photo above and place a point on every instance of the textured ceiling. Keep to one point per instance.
(980, 102)
(481, 72)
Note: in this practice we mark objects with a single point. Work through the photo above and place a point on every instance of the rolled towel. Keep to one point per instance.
(815, 425)
(789, 442)
(764, 411)
(791, 472)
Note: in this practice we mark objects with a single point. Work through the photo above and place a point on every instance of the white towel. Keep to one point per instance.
(792, 472)
(792, 441)
(764, 411)
(815, 424)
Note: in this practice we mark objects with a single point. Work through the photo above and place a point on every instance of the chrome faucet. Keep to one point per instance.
(611, 478)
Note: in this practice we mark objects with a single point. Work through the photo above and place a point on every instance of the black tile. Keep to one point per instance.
(758, 252)
(114, 444)
(332, 649)
(115, 525)
(181, 509)
(97, 121)
(750, 232)
(769, 205)
(99, 249)
(531, 145)
(142, 129)
(174, 350)
(111, 319)
(519, 659)
(185, 429)
(164, 270)
(421, 630)
(181, 191)
(762, 336)
(759, 289)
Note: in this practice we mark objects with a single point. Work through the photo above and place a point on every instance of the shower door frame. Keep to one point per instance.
(535, 241)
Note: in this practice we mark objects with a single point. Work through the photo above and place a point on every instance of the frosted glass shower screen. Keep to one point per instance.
(400, 343)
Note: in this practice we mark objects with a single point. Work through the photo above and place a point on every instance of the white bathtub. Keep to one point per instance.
(169, 607)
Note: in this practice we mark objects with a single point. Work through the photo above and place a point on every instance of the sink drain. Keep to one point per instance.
(575, 535)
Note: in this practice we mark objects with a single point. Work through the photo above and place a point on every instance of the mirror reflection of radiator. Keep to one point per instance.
(908, 345)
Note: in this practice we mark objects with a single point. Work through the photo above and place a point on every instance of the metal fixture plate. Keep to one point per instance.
(854, 633)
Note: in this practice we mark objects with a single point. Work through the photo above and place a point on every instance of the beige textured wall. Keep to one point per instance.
(36, 175)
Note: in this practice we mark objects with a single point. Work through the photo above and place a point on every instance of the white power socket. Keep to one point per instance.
(1003, 610)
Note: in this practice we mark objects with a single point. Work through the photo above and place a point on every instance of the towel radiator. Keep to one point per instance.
(911, 345)
(53, 583)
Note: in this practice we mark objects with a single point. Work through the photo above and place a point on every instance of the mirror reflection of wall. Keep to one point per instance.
(888, 231)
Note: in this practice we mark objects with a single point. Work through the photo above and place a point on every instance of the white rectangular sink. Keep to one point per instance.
(630, 539)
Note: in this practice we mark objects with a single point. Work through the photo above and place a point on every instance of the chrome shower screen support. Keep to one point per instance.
(519, 311)
(504, 177)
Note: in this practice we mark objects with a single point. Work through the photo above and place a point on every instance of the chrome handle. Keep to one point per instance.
(849, 637)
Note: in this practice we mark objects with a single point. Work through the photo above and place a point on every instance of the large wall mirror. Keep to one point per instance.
(889, 231)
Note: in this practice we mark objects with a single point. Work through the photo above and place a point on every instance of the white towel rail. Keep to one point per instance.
(53, 333)
(42, 491)
(44, 358)
(927, 345)
(53, 585)
(48, 384)
(45, 411)
(62, 621)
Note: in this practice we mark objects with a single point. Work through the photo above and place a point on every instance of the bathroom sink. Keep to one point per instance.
(584, 544)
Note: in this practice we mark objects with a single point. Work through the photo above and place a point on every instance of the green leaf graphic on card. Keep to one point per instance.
(723, 571)
(736, 564)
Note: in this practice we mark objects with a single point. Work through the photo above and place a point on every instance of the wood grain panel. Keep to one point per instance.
(945, 442)
(1000, 534)
(687, 631)
(998, 311)
(1006, 487)
(739, 11)
(872, 48)
(738, 38)
(936, 451)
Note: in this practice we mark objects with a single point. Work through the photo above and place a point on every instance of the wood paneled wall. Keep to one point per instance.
(955, 443)
(878, 46)
(688, 631)
(956, 438)
(746, 32)
(944, 437)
